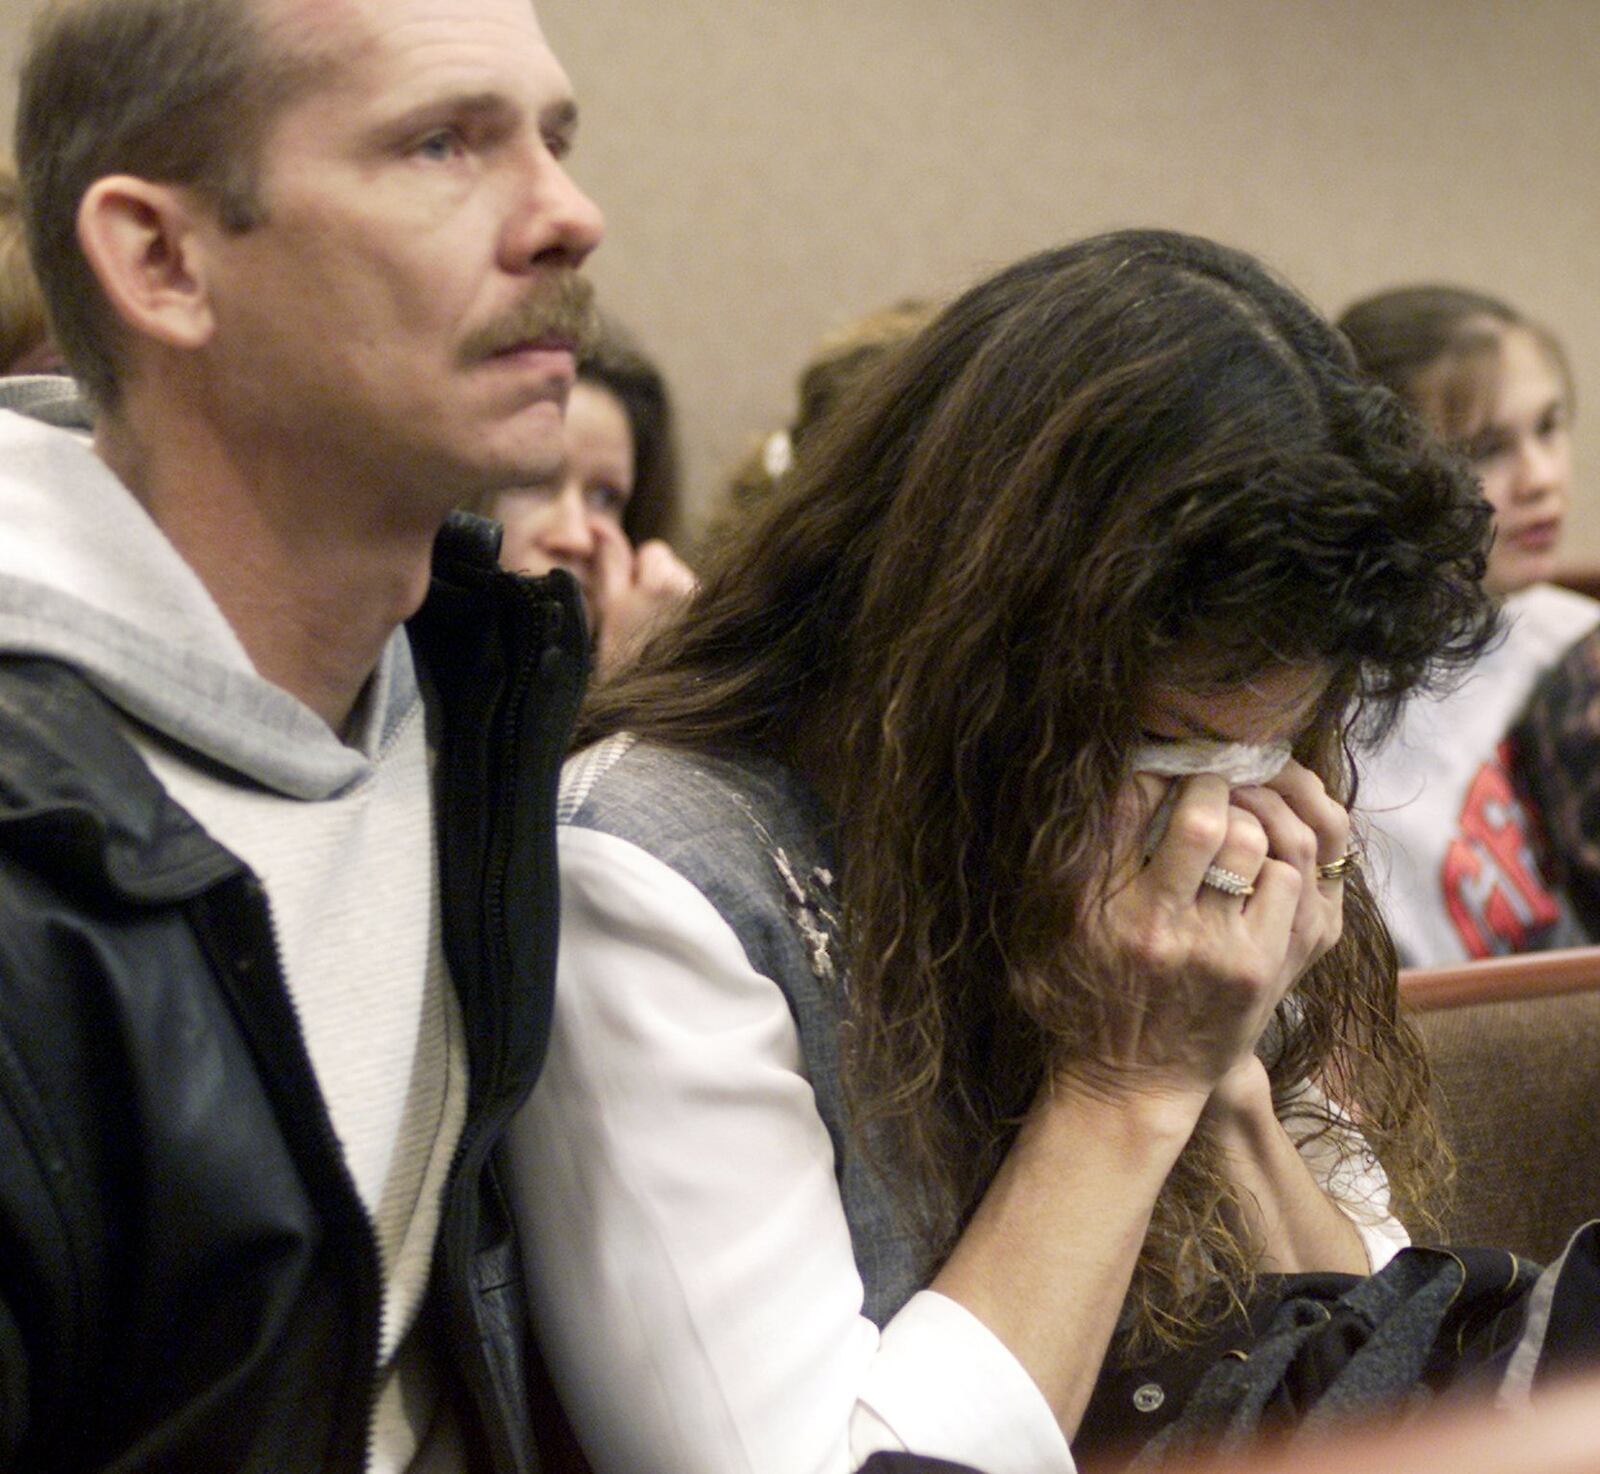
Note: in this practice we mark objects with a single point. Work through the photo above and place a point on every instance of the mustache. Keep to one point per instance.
(563, 309)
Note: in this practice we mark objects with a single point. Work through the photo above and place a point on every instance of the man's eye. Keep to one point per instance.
(441, 146)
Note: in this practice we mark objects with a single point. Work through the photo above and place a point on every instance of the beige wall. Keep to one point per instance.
(772, 167)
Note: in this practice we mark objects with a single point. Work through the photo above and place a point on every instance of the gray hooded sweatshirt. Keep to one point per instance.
(339, 832)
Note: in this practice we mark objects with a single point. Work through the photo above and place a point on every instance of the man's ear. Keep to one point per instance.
(142, 241)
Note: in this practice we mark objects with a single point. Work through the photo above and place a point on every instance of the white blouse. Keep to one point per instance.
(685, 1244)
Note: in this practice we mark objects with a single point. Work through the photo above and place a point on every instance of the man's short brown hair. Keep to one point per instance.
(173, 91)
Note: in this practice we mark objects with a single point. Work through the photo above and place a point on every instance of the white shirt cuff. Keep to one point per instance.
(943, 1384)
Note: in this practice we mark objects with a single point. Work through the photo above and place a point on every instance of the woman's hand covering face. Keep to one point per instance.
(1195, 973)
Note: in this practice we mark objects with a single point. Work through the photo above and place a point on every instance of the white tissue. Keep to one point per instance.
(1240, 763)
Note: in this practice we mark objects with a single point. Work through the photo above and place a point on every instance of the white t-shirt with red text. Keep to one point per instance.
(1454, 851)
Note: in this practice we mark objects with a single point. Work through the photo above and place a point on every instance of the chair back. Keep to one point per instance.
(1515, 1047)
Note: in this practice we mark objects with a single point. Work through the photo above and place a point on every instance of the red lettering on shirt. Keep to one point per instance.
(1493, 888)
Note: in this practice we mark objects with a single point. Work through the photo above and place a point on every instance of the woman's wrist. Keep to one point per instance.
(1240, 1112)
(1125, 1107)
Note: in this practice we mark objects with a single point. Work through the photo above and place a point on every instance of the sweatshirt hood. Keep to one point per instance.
(87, 578)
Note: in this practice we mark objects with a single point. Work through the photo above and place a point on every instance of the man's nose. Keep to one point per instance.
(555, 222)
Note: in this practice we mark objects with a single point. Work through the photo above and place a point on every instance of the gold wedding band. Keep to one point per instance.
(1229, 882)
(1338, 869)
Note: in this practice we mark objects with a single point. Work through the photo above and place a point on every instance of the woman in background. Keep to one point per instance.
(832, 378)
(26, 346)
(606, 513)
(1457, 857)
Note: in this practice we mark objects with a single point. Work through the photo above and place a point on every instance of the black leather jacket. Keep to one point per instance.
(188, 1281)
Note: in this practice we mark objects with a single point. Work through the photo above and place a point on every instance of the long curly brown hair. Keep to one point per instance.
(1087, 471)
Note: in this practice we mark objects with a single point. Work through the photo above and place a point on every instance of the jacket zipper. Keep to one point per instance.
(494, 943)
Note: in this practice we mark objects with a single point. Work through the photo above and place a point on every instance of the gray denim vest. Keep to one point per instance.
(752, 837)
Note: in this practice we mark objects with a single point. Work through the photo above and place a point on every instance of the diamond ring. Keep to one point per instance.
(1230, 882)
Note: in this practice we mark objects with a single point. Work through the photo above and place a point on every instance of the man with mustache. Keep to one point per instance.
(267, 993)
